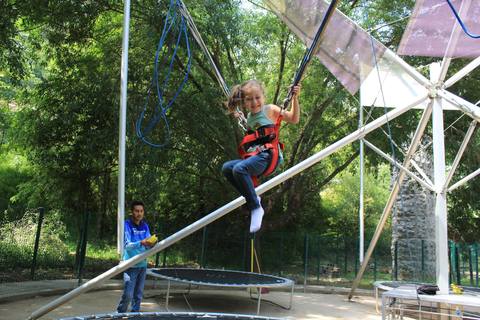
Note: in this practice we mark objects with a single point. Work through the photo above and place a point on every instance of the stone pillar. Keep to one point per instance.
(413, 257)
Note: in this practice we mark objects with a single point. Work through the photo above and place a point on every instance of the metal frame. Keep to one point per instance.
(436, 92)
(285, 282)
(170, 315)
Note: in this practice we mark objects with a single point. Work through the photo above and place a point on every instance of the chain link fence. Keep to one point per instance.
(32, 253)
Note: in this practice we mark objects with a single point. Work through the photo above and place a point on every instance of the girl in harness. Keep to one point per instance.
(262, 148)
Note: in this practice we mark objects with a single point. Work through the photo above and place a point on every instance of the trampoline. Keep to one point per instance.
(170, 316)
(222, 278)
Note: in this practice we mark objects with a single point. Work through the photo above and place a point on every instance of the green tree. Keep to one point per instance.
(69, 121)
(70, 134)
(341, 199)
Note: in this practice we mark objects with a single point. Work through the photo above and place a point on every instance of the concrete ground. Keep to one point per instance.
(308, 303)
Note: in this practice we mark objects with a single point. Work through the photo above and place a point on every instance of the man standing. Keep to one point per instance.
(137, 234)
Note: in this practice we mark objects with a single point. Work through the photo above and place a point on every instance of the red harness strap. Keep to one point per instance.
(267, 137)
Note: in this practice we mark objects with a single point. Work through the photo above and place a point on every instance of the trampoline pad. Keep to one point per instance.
(216, 277)
(170, 316)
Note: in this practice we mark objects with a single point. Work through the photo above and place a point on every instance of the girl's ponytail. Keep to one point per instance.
(234, 100)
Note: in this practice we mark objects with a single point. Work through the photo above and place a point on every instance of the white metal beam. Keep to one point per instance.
(441, 238)
(460, 152)
(393, 195)
(399, 166)
(123, 131)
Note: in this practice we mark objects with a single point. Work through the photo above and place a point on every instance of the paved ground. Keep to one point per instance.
(315, 303)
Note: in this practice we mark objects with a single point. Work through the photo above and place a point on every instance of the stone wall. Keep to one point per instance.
(413, 227)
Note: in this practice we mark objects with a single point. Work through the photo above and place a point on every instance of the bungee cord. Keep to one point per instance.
(461, 22)
(311, 51)
(160, 109)
(198, 37)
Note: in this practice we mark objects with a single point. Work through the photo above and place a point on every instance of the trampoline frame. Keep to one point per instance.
(285, 282)
(169, 315)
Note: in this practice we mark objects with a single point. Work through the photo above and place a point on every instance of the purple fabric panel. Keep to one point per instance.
(344, 46)
(431, 26)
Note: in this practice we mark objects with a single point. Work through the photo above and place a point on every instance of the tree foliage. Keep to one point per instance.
(68, 123)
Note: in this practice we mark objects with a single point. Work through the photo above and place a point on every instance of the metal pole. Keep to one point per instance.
(393, 195)
(450, 264)
(362, 197)
(441, 238)
(459, 155)
(457, 263)
(460, 74)
(470, 263)
(83, 251)
(245, 245)
(476, 262)
(462, 181)
(280, 256)
(420, 78)
(423, 260)
(399, 166)
(452, 42)
(345, 255)
(318, 257)
(123, 131)
(466, 107)
(204, 248)
(37, 241)
(396, 260)
(305, 264)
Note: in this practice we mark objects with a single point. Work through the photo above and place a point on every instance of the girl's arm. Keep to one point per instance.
(292, 115)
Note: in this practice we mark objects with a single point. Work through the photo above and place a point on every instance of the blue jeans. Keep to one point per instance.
(238, 173)
(133, 280)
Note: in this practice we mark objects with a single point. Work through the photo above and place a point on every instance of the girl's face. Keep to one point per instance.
(254, 99)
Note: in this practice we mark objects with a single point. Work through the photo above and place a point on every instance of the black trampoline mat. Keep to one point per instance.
(216, 277)
(170, 316)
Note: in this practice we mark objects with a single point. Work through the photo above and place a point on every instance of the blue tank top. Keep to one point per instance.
(256, 121)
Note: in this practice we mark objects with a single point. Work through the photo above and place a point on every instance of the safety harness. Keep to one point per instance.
(267, 139)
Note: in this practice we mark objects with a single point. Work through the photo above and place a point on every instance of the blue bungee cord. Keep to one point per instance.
(392, 146)
(460, 22)
(155, 80)
(311, 51)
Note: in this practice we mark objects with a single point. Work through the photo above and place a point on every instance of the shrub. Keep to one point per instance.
(17, 241)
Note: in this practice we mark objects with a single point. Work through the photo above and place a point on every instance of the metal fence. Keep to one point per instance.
(306, 258)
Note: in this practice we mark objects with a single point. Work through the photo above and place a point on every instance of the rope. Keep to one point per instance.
(198, 37)
(461, 23)
(155, 81)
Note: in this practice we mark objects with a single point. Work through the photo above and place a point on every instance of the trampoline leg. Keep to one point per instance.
(259, 289)
(291, 296)
(168, 296)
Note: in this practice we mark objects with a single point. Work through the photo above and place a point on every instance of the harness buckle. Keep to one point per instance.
(240, 123)
(262, 148)
(285, 103)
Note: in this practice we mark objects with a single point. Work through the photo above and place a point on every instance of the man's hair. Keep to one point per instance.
(136, 203)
